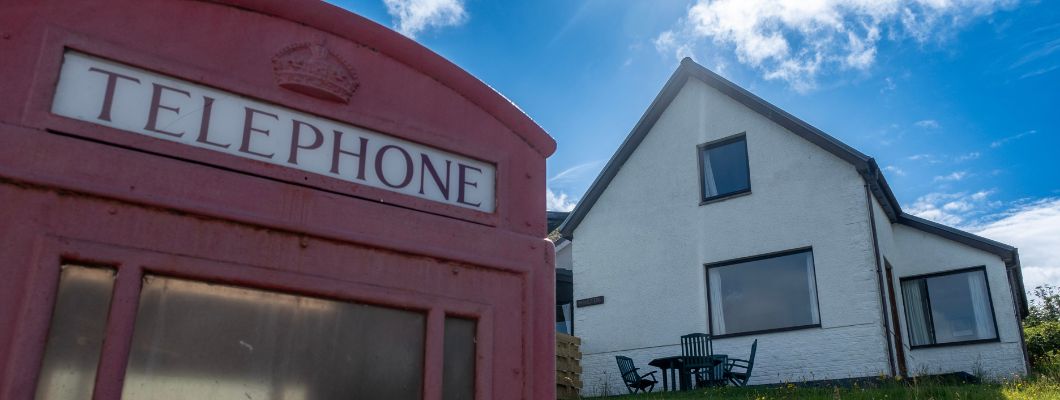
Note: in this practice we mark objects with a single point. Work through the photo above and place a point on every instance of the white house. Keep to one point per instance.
(721, 213)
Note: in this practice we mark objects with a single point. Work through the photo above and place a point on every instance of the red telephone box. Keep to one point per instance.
(262, 200)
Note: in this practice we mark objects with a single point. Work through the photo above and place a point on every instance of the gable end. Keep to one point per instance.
(864, 164)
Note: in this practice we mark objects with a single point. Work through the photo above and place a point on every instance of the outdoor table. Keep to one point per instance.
(679, 375)
(672, 364)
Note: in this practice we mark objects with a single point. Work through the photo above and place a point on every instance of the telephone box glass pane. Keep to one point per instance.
(195, 340)
(458, 378)
(75, 337)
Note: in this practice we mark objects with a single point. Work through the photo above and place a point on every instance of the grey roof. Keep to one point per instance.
(865, 165)
(555, 218)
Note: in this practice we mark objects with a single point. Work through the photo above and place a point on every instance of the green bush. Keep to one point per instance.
(1043, 343)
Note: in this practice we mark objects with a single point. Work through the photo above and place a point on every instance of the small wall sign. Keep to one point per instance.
(592, 301)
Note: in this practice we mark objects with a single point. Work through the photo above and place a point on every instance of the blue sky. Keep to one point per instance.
(959, 100)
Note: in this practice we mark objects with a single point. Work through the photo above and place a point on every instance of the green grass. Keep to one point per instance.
(1040, 387)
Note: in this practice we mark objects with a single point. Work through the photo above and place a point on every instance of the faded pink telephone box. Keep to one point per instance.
(262, 200)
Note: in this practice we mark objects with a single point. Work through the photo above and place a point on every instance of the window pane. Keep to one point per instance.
(914, 294)
(563, 318)
(75, 337)
(725, 169)
(773, 293)
(458, 376)
(195, 340)
(960, 307)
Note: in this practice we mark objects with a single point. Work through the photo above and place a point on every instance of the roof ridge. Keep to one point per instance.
(690, 69)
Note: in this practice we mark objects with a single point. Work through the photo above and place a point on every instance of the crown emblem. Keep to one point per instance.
(310, 69)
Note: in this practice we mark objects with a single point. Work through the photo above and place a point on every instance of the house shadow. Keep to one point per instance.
(959, 385)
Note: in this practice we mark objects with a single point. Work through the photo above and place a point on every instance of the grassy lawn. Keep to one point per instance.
(1035, 388)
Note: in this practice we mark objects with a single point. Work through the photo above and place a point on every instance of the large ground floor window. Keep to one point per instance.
(764, 293)
(949, 308)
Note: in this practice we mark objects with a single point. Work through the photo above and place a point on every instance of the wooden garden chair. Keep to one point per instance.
(738, 371)
(697, 352)
(634, 381)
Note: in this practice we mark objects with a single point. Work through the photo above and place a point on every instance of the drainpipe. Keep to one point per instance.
(886, 324)
(1010, 272)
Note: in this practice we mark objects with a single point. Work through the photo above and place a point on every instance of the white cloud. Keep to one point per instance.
(1040, 71)
(932, 211)
(1002, 141)
(968, 157)
(667, 42)
(1034, 228)
(414, 16)
(797, 40)
(954, 209)
(953, 177)
(558, 202)
(927, 124)
(888, 85)
(576, 173)
(570, 179)
(916, 157)
(958, 206)
(895, 170)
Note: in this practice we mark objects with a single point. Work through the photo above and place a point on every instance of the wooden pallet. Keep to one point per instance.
(568, 366)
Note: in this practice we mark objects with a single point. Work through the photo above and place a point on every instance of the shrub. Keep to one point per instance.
(1043, 343)
(1044, 306)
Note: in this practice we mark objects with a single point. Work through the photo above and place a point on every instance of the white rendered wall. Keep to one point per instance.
(921, 253)
(643, 245)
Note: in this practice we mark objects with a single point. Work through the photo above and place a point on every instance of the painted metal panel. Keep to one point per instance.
(80, 192)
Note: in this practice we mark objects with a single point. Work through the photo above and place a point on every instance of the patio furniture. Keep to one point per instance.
(739, 378)
(679, 377)
(634, 381)
(713, 375)
(673, 366)
(698, 353)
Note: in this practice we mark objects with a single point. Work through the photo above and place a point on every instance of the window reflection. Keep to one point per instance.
(764, 294)
(75, 336)
(949, 308)
(195, 340)
(563, 318)
(725, 169)
(458, 375)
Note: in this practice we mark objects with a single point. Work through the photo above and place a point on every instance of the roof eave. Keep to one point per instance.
(873, 177)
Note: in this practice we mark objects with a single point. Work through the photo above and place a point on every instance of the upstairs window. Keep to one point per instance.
(723, 168)
(949, 308)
